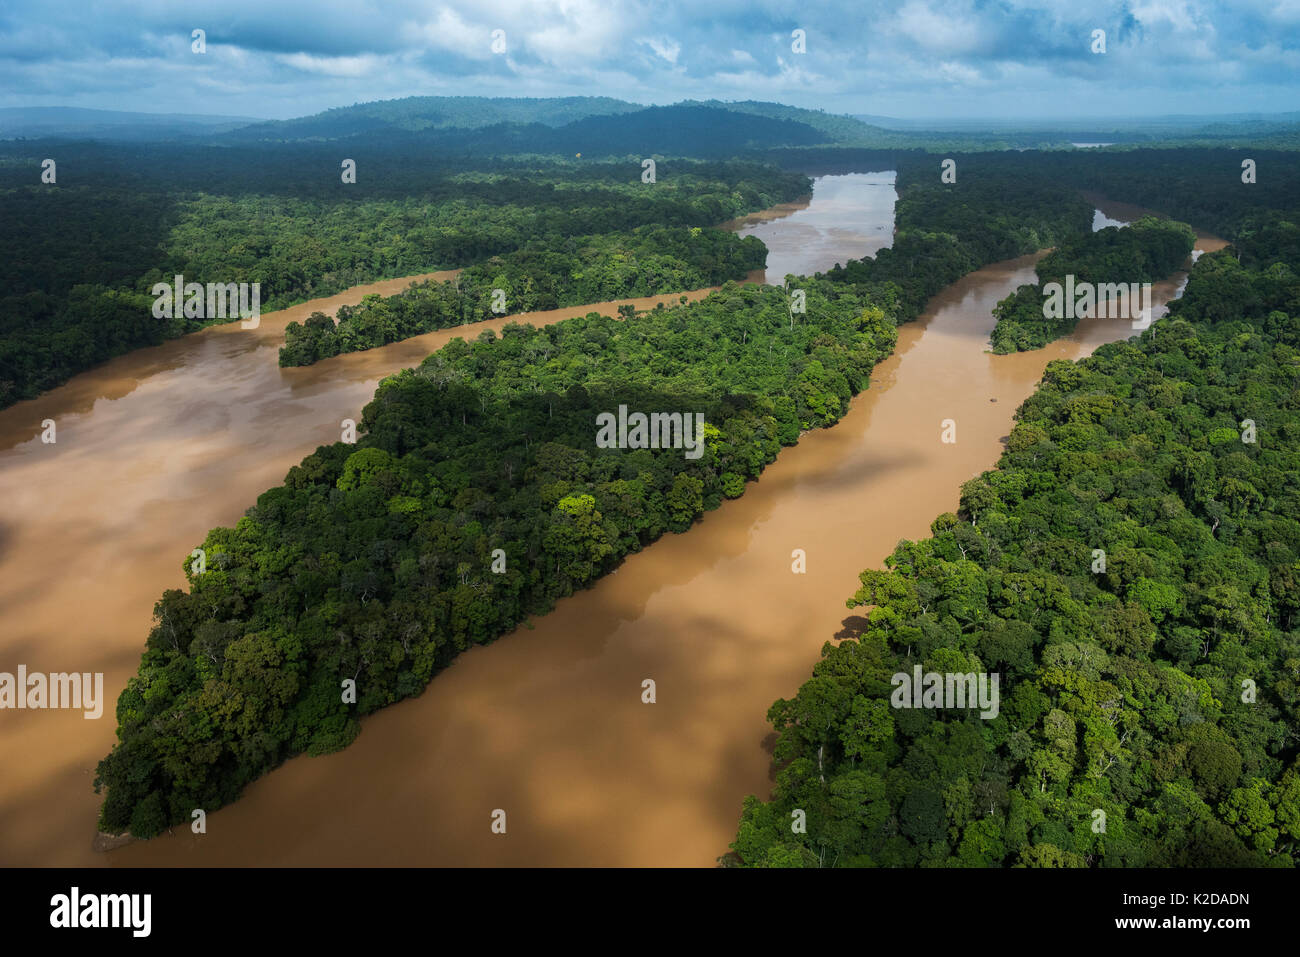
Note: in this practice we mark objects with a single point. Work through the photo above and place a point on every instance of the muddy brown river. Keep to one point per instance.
(547, 724)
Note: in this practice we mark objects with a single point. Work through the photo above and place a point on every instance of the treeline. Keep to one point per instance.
(1205, 186)
(570, 272)
(311, 247)
(1131, 570)
(1202, 186)
(64, 304)
(78, 258)
(375, 562)
(947, 231)
(1147, 250)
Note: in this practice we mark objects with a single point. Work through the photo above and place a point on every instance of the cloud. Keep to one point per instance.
(362, 65)
(943, 31)
(663, 47)
(448, 31)
(920, 57)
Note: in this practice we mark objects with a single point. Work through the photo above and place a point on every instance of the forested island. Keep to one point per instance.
(946, 232)
(1130, 570)
(374, 561)
(78, 258)
(1142, 252)
(542, 275)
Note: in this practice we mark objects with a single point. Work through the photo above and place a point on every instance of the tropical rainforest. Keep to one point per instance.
(1141, 252)
(78, 257)
(1131, 569)
(541, 275)
(374, 562)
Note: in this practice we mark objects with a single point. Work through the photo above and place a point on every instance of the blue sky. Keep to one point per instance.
(912, 58)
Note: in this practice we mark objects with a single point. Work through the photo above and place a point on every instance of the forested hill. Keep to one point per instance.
(564, 125)
(1131, 570)
(447, 123)
(422, 113)
(30, 122)
(679, 130)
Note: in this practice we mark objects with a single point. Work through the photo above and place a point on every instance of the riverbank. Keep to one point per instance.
(542, 723)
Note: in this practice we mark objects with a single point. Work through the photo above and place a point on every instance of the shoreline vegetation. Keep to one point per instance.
(374, 562)
(1130, 569)
(648, 261)
(78, 258)
(1144, 251)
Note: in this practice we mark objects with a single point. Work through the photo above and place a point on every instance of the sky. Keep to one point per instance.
(920, 59)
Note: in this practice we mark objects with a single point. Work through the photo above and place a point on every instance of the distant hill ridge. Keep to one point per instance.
(596, 124)
(561, 123)
(418, 113)
(600, 126)
(73, 121)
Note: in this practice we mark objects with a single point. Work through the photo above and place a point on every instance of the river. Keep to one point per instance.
(546, 724)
